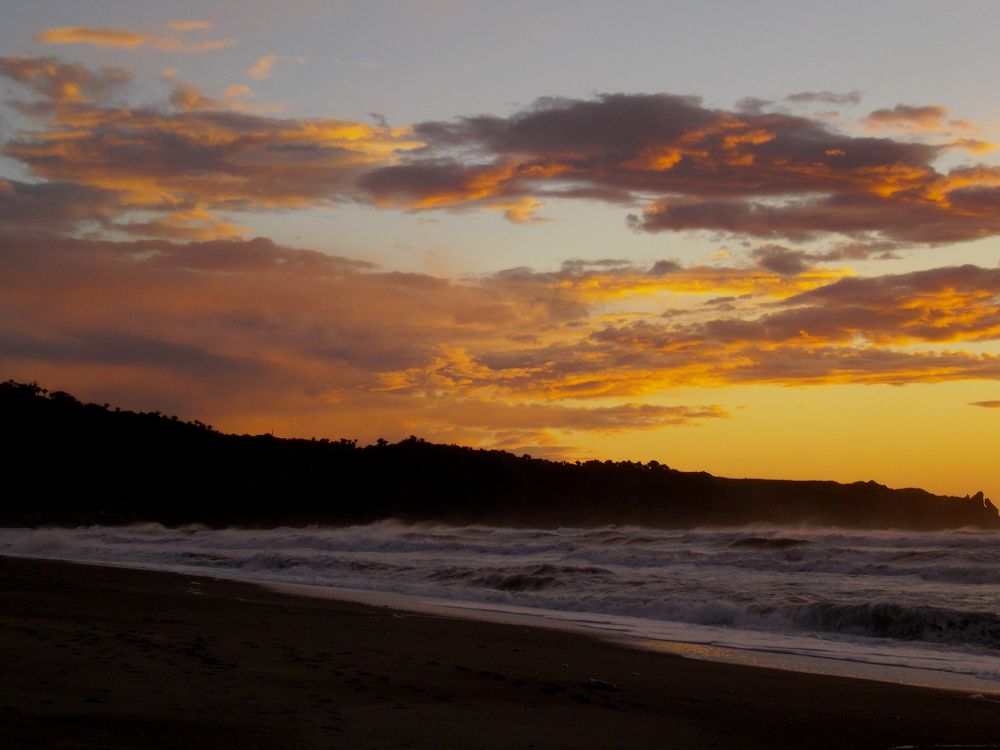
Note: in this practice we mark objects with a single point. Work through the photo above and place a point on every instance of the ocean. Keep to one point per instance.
(922, 608)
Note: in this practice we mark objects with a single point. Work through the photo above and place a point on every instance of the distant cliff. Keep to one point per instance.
(86, 463)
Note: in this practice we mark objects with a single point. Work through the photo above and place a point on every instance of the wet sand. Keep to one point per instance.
(95, 657)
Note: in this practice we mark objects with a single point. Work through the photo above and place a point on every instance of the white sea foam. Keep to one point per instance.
(927, 601)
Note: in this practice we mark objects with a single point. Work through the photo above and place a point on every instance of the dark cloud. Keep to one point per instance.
(897, 288)
(579, 265)
(824, 97)
(894, 219)
(108, 349)
(747, 172)
(639, 143)
(792, 262)
(986, 404)
(434, 182)
(753, 105)
(976, 200)
(613, 125)
(54, 206)
(859, 251)
(782, 260)
(661, 267)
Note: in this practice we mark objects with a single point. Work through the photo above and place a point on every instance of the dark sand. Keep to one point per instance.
(94, 657)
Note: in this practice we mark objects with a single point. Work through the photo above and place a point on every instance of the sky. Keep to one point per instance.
(756, 239)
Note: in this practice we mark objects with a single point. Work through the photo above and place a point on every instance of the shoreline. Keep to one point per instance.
(614, 629)
(678, 639)
(120, 658)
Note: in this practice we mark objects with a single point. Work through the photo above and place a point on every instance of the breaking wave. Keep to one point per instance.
(929, 624)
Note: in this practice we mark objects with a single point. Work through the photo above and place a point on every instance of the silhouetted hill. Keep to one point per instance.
(86, 463)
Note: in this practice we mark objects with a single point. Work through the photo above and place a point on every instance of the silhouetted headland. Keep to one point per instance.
(92, 464)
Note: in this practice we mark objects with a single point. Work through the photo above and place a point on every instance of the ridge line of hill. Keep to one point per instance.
(85, 463)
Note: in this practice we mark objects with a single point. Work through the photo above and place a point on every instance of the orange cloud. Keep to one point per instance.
(520, 211)
(249, 331)
(598, 284)
(96, 37)
(837, 333)
(263, 67)
(943, 304)
(190, 25)
(974, 145)
(237, 90)
(192, 224)
(196, 153)
(930, 117)
(63, 83)
(131, 39)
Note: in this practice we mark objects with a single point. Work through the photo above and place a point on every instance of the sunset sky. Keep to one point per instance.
(756, 239)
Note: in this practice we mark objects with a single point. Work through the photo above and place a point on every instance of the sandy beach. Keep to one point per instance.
(98, 657)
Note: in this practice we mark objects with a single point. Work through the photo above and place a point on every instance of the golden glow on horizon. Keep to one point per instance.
(844, 432)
